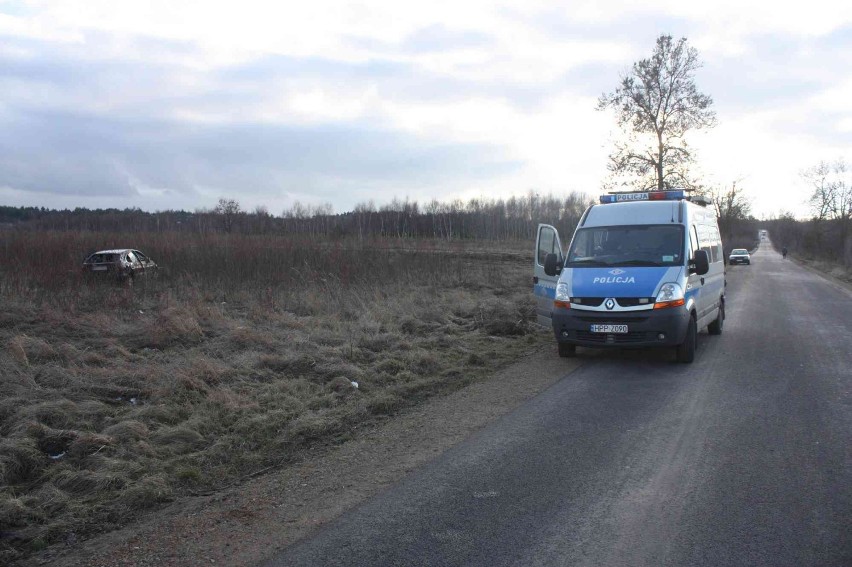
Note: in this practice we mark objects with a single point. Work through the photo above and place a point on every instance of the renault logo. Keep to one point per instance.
(609, 304)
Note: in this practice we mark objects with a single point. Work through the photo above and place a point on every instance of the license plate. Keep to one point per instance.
(607, 328)
(99, 268)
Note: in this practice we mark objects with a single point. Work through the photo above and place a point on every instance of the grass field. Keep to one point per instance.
(244, 351)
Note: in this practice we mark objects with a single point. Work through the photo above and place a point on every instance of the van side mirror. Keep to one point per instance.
(702, 262)
(552, 265)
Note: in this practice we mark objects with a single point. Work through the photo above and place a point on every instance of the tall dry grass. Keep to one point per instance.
(45, 261)
(241, 354)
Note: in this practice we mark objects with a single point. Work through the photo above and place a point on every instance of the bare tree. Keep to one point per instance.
(227, 209)
(733, 205)
(831, 203)
(364, 213)
(831, 196)
(657, 104)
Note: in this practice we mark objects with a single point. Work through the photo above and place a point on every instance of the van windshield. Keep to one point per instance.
(633, 245)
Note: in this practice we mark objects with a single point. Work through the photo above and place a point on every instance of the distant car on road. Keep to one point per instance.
(739, 256)
(122, 264)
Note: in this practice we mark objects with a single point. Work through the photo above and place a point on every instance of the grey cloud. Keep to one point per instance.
(428, 39)
(439, 38)
(277, 67)
(841, 38)
(91, 155)
(41, 153)
(55, 136)
(69, 80)
(639, 29)
(782, 69)
(397, 81)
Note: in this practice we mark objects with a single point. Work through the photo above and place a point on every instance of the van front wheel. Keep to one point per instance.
(686, 350)
(715, 328)
(566, 350)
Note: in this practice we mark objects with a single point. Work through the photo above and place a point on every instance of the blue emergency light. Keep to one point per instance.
(643, 196)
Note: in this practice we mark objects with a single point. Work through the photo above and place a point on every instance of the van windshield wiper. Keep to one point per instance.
(639, 263)
(588, 262)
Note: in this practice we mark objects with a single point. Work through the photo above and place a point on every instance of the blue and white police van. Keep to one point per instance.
(644, 269)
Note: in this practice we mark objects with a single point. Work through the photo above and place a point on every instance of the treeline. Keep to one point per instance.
(738, 227)
(740, 233)
(828, 234)
(829, 240)
(491, 219)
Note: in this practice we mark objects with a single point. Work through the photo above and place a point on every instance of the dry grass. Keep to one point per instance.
(831, 268)
(117, 399)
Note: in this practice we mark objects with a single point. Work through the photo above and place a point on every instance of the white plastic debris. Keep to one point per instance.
(354, 384)
(133, 401)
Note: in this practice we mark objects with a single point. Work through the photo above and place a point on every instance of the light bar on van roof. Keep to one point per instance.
(643, 196)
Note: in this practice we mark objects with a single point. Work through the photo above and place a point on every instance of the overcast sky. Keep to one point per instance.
(172, 104)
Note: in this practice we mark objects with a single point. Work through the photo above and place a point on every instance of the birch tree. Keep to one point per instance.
(657, 103)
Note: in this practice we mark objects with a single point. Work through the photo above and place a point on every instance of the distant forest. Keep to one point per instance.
(515, 218)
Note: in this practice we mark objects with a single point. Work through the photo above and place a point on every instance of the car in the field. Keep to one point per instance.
(120, 263)
(739, 256)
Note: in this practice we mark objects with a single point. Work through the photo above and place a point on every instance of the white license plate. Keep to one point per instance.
(99, 268)
(620, 329)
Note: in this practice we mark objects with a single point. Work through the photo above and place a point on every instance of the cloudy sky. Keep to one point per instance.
(171, 104)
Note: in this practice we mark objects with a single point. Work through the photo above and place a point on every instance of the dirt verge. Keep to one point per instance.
(248, 524)
(832, 273)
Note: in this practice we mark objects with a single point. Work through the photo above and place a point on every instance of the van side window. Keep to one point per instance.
(705, 240)
(717, 244)
(546, 245)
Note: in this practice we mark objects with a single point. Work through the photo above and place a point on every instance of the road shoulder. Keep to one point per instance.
(837, 282)
(247, 524)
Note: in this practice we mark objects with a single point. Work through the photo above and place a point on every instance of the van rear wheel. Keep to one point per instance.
(566, 350)
(686, 350)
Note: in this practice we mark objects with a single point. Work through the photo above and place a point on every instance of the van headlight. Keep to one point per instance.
(671, 295)
(562, 300)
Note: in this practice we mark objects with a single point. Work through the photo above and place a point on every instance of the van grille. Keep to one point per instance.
(622, 301)
(617, 318)
(633, 337)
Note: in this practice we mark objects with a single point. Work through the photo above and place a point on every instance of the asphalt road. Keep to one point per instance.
(742, 458)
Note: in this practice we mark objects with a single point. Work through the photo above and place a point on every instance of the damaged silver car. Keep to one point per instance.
(121, 264)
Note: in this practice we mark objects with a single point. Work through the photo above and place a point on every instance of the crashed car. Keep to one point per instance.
(121, 264)
(739, 256)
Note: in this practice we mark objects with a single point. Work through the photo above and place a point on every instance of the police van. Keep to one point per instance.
(644, 269)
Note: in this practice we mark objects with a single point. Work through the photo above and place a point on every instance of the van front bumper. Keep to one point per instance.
(652, 327)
